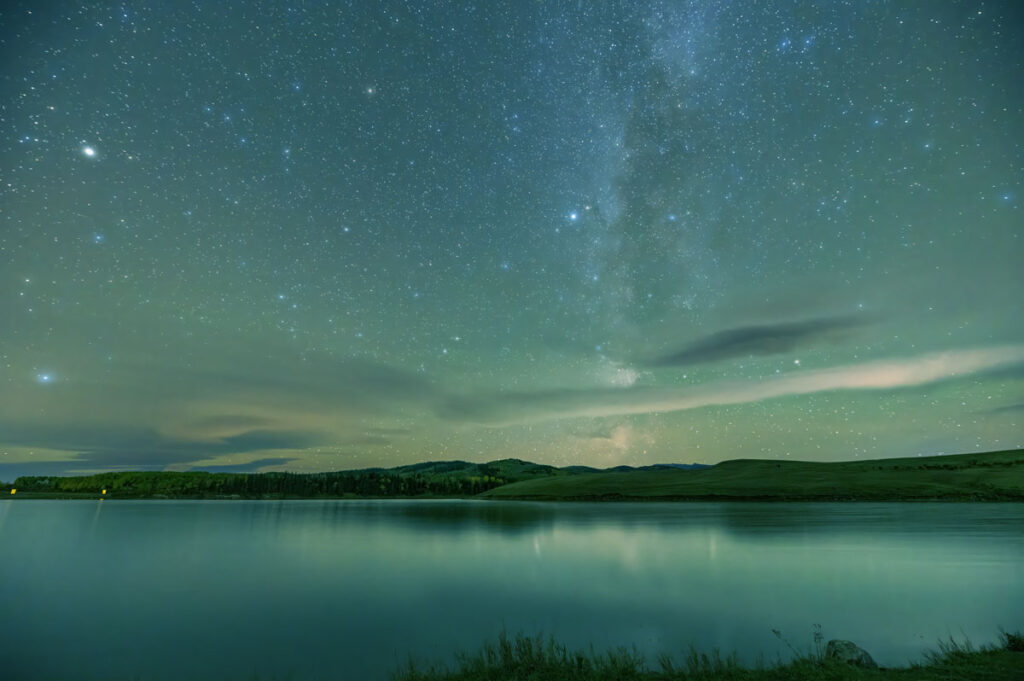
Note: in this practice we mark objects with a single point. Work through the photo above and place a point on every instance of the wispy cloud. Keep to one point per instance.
(250, 467)
(1007, 409)
(766, 339)
(215, 422)
(117, 446)
(353, 383)
(153, 416)
(503, 408)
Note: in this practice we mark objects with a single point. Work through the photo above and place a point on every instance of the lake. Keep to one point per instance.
(349, 589)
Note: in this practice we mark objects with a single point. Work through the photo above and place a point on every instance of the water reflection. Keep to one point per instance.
(739, 518)
(317, 588)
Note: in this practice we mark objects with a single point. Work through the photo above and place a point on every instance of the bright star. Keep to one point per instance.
(573, 215)
(89, 151)
(45, 378)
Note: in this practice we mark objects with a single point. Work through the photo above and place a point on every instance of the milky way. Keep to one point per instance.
(316, 236)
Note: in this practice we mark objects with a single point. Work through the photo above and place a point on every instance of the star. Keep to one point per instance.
(622, 184)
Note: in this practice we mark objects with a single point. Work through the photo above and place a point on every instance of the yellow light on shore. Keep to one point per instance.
(13, 490)
(104, 492)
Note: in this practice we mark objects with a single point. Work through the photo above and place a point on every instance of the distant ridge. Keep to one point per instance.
(662, 466)
(426, 479)
(991, 476)
(512, 468)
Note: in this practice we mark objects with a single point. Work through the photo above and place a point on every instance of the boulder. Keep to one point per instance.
(850, 653)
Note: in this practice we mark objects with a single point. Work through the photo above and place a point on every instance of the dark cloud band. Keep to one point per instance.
(766, 339)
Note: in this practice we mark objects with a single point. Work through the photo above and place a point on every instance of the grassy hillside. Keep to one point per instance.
(988, 476)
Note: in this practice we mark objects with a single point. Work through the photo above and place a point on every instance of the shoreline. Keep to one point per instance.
(984, 477)
(605, 499)
(524, 657)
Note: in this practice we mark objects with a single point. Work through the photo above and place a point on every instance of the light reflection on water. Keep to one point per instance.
(348, 589)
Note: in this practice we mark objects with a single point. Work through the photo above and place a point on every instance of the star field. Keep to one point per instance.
(308, 236)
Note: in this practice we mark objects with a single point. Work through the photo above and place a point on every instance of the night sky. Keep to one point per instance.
(245, 236)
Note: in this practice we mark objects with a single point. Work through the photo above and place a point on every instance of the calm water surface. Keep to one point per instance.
(349, 589)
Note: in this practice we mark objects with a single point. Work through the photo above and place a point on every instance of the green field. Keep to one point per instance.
(992, 476)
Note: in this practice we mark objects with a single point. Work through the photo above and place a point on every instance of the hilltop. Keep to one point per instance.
(994, 476)
(991, 476)
(427, 479)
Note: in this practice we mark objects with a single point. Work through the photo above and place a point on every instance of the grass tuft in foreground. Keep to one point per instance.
(523, 658)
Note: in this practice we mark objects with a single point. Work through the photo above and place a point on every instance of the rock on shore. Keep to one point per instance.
(850, 653)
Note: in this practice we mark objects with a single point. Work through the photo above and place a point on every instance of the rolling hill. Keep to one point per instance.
(988, 476)
(992, 476)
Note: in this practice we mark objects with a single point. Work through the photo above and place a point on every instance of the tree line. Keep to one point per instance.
(259, 485)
